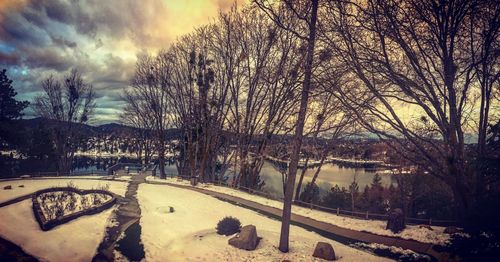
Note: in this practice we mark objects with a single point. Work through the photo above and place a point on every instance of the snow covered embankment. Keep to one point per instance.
(424, 235)
(188, 234)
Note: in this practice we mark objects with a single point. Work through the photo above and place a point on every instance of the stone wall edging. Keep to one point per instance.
(47, 225)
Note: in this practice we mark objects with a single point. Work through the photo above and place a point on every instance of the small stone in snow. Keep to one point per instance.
(7, 187)
(325, 251)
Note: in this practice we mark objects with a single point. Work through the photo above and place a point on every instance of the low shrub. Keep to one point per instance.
(228, 226)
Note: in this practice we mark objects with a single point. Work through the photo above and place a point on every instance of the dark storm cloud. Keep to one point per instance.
(9, 59)
(98, 37)
(57, 10)
(42, 39)
(63, 42)
(48, 58)
(19, 31)
(34, 17)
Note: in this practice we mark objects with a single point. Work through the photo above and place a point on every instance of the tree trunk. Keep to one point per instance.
(161, 155)
(297, 140)
(352, 202)
(301, 178)
(316, 174)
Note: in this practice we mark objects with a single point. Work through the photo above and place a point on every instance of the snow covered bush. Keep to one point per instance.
(228, 226)
(70, 184)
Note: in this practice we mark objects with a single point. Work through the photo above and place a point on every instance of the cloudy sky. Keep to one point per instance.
(101, 38)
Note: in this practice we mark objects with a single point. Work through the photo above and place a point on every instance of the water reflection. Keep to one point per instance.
(329, 176)
(89, 164)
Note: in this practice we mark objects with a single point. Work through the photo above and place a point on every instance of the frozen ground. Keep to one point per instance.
(76, 240)
(32, 185)
(435, 236)
(189, 233)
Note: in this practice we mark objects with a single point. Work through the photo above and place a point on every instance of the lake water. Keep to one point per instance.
(330, 175)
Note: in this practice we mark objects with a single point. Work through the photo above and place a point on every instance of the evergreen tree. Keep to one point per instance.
(376, 181)
(337, 198)
(353, 191)
(310, 194)
(10, 109)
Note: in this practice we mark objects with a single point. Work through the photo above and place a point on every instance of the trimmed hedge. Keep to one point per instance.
(228, 226)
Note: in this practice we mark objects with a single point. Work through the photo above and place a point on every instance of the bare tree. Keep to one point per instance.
(264, 89)
(199, 97)
(308, 13)
(148, 96)
(412, 54)
(135, 114)
(329, 122)
(484, 34)
(68, 103)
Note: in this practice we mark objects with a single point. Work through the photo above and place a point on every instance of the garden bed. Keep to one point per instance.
(59, 205)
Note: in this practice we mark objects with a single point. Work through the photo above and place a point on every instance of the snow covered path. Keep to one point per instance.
(127, 213)
(188, 234)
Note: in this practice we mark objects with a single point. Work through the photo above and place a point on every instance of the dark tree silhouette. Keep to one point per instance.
(10, 108)
(309, 15)
(67, 104)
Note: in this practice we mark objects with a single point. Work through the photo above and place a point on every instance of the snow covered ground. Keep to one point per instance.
(188, 234)
(76, 240)
(32, 185)
(435, 236)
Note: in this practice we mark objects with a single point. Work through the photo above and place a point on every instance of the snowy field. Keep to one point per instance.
(189, 233)
(76, 240)
(435, 236)
(32, 185)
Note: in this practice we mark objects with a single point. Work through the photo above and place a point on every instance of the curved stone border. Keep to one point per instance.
(49, 224)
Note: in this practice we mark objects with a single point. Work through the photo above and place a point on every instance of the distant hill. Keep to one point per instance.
(123, 131)
(88, 130)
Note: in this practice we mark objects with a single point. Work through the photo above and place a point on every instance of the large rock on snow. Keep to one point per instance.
(325, 251)
(396, 220)
(247, 238)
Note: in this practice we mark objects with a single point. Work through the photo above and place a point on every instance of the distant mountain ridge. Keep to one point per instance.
(173, 133)
(89, 130)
